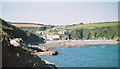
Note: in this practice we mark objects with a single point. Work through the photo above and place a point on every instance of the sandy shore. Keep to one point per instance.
(73, 43)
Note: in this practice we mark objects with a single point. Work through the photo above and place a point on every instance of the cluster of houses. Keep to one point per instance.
(52, 35)
(47, 34)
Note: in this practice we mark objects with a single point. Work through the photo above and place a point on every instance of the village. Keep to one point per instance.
(48, 32)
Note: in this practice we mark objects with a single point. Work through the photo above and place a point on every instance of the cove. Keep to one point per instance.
(87, 56)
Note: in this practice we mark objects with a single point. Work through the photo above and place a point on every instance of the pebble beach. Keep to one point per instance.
(74, 43)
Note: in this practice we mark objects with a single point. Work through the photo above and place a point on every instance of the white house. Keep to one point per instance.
(39, 32)
(63, 32)
(52, 37)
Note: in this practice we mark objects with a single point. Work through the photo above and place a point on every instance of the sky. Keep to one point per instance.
(60, 0)
(59, 13)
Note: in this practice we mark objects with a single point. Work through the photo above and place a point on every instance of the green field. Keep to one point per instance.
(94, 25)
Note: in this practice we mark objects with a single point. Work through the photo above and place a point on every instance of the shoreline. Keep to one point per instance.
(48, 49)
(76, 43)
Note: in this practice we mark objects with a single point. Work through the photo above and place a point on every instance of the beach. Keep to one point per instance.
(74, 43)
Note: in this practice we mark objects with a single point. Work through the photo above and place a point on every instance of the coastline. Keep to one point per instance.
(74, 43)
(49, 46)
(21, 56)
(47, 49)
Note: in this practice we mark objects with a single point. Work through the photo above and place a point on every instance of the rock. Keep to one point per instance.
(50, 64)
(5, 41)
(35, 49)
(17, 42)
(43, 48)
(47, 62)
(46, 53)
(18, 57)
(118, 39)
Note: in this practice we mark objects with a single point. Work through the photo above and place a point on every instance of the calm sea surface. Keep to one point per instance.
(89, 56)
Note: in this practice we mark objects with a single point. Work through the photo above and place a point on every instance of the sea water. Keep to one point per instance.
(87, 56)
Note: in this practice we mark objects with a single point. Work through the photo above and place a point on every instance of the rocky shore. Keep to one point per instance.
(74, 43)
(47, 49)
(43, 51)
(15, 54)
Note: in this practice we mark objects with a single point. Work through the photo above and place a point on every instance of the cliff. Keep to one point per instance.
(13, 56)
(95, 31)
(20, 56)
(15, 32)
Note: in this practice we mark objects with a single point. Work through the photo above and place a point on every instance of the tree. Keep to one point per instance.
(69, 36)
(81, 24)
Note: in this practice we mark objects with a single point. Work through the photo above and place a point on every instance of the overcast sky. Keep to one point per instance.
(61, 13)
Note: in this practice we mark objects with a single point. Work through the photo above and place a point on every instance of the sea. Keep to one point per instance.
(105, 55)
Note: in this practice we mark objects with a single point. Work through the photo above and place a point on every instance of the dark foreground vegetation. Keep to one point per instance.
(15, 32)
(19, 56)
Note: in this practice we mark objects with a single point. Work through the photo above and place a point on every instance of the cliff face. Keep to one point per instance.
(19, 56)
(95, 32)
(15, 32)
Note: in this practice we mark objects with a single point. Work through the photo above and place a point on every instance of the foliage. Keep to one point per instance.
(95, 31)
(34, 29)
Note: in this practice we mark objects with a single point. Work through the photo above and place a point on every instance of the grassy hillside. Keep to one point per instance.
(94, 25)
(15, 32)
(95, 31)
(34, 29)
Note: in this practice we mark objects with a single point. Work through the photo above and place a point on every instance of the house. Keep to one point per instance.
(52, 37)
(63, 31)
(39, 32)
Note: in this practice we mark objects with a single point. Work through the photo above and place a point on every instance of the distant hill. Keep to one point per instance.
(103, 30)
(31, 27)
(15, 32)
